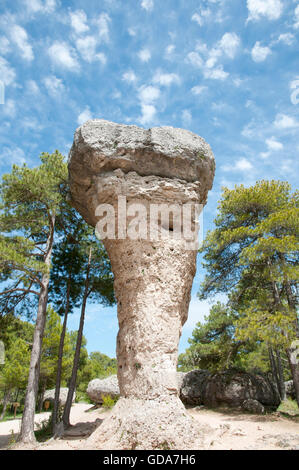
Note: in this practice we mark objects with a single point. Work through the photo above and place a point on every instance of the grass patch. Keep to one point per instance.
(289, 407)
(10, 417)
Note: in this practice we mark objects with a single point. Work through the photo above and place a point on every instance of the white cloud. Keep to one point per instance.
(129, 77)
(4, 45)
(227, 46)
(7, 73)
(195, 59)
(265, 155)
(229, 43)
(54, 85)
(144, 55)
(287, 38)
(166, 79)
(63, 55)
(87, 48)
(78, 21)
(11, 156)
(20, 37)
(216, 74)
(197, 18)
(148, 94)
(243, 165)
(198, 90)
(260, 53)
(9, 109)
(169, 49)
(148, 5)
(270, 9)
(273, 144)
(132, 32)
(283, 121)
(32, 87)
(296, 15)
(84, 116)
(103, 25)
(148, 113)
(200, 17)
(186, 117)
(240, 165)
(37, 6)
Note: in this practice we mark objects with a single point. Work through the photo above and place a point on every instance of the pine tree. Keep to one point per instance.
(253, 255)
(30, 203)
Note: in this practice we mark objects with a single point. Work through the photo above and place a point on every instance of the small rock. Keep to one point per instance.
(253, 406)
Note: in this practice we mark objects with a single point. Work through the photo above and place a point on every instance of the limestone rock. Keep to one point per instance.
(132, 422)
(100, 147)
(152, 277)
(229, 388)
(253, 406)
(192, 390)
(98, 388)
(290, 389)
(50, 394)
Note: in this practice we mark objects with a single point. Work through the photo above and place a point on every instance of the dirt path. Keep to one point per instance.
(224, 429)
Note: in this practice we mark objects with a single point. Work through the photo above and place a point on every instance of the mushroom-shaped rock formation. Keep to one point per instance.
(126, 170)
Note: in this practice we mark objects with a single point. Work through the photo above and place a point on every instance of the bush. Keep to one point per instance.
(108, 401)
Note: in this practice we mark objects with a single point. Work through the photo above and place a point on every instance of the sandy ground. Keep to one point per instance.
(225, 429)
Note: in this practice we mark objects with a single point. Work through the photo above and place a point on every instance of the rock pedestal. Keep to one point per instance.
(126, 172)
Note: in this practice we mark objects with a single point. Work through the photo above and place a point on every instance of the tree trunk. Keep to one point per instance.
(72, 384)
(5, 403)
(60, 355)
(27, 427)
(274, 370)
(41, 401)
(282, 389)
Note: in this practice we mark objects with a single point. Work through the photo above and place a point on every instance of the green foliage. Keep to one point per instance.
(253, 255)
(214, 346)
(108, 402)
(30, 200)
(50, 348)
(14, 372)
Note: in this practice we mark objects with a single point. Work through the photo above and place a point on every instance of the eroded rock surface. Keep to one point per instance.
(153, 278)
(230, 388)
(98, 388)
(50, 394)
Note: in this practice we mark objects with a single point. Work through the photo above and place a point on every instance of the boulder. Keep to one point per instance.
(253, 406)
(228, 388)
(200, 387)
(50, 394)
(290, 389)
(192, 387)
(98, 388)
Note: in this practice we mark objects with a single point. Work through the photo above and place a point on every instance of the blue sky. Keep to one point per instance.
(227, 70)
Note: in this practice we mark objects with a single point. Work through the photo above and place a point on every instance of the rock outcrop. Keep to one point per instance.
(229, 388)
(98, 388)
(50, 394)
(153, 275)
(232, 388)
(290, 389)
